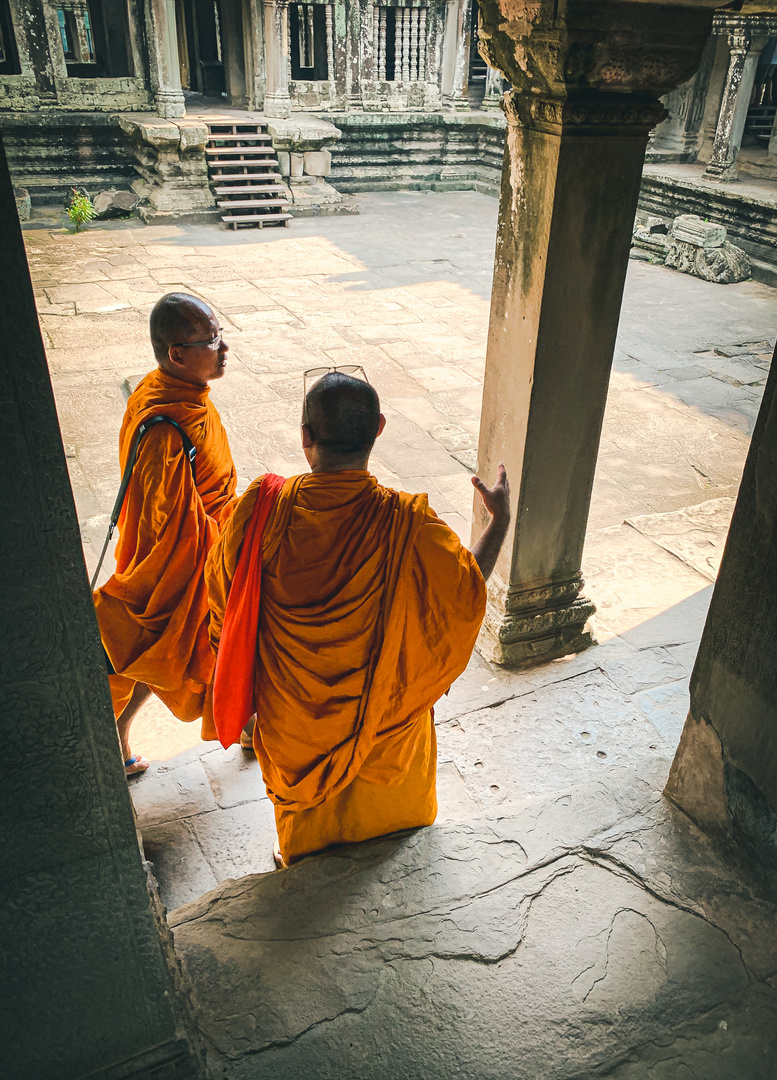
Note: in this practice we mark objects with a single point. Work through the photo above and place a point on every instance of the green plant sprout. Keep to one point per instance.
(80, 209)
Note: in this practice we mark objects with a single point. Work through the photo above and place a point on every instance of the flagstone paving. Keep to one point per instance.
(560, 767)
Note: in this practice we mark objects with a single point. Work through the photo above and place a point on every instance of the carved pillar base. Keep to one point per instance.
(170, 104)
(536, 624)
(277, 106)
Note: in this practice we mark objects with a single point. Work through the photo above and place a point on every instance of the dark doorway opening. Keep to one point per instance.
(200, 46)
(9, 56)
(95, 39)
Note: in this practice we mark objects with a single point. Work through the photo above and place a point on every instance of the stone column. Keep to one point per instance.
(40, 49)
(724, 774)
(736, 101)
(457, 55)
(493, 95)
(276, 52)
(163, 59)
(578, 124)
(81, 936)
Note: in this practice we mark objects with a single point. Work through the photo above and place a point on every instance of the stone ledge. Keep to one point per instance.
(577, 931)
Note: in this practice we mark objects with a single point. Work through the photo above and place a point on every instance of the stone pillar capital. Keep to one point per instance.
(583, 114)
(739, 39)
(591, 66)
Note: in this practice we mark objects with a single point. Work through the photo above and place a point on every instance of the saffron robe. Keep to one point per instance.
(370, 608)
(153, 612)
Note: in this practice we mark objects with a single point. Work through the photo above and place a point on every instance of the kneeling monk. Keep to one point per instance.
(369, 609)
(153, 612)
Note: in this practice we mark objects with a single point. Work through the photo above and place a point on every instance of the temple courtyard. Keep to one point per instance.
(561, 919)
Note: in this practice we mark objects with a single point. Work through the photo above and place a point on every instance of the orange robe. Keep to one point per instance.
(370, 608)
(153, 612)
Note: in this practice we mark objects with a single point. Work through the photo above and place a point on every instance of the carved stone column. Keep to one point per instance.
(163, 59)
(745, 51)
(456, 58)
(493, 95)
(276, 45)
(578, 121)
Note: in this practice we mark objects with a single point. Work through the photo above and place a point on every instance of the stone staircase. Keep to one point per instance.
(760, 120)
(245, 174)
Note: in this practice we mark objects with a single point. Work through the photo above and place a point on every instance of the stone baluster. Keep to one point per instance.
(330, 45)
(397, 44)
(737, 91)
(572, 170)
(163, 59)
(376, 39)
(382, 46)
(276, 42)
(422, 62)
(406, 45)
(414, 44)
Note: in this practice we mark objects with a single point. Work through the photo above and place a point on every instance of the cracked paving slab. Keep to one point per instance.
(532, 947)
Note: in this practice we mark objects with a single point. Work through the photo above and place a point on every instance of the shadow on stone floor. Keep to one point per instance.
(595, 932)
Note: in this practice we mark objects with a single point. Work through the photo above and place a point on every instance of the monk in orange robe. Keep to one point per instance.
(369, 609)
(153, 612)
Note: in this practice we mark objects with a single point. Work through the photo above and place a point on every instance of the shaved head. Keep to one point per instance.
(173, 318)
(342, 415)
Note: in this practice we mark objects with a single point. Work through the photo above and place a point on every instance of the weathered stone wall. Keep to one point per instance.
(51, 152)
(725, 772)
(87, 990)
(44, 82)
(437, 151)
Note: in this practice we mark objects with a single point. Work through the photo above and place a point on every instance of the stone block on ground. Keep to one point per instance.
(113, 204)
(691, 229)
(318, 162)
(23, 203)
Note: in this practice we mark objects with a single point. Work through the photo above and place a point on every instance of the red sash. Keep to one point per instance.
(235, 675)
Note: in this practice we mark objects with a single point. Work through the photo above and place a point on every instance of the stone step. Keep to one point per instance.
(241, 138)
(247, 189)
(225, 204)
(228, 177)
(256, 219)
(246, 151)
(219, 130)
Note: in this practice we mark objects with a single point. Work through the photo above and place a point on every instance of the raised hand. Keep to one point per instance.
(497, 498)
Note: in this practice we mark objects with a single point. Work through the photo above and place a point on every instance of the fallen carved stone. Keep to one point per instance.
(112, 204)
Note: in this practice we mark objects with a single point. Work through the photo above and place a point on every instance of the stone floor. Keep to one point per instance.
(560, 920)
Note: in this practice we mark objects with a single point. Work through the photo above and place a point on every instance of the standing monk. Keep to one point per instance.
(369, 609)
(153, 612)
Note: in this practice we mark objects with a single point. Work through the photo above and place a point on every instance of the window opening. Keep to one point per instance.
(9, 57)
(400, 44)
(95, 38)
(312, 42)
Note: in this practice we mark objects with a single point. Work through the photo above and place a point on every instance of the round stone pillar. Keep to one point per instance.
(164, 61)
(277, 102)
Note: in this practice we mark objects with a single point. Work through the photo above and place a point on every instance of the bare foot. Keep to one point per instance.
(135, 764)
(276, 854)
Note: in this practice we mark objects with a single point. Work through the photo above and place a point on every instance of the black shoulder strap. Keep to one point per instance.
(189, 449)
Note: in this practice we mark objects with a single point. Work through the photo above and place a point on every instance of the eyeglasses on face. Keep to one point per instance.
(211, 343)
(318, 373)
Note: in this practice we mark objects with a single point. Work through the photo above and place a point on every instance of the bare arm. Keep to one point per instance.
(497, 502)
